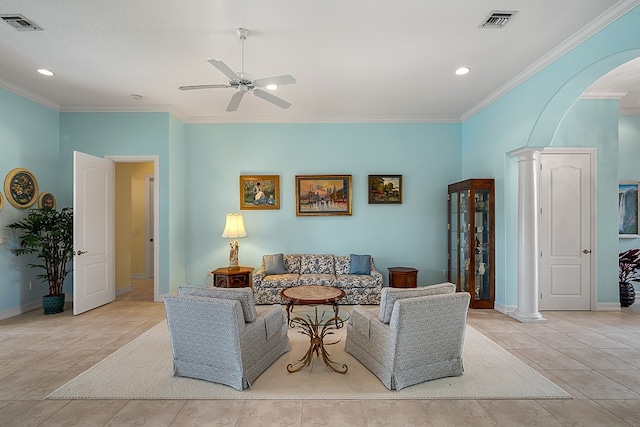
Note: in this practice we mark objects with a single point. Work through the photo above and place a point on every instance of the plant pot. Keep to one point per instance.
(53, 304)
(627, 294)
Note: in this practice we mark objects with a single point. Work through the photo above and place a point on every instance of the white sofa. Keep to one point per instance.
(355, 274)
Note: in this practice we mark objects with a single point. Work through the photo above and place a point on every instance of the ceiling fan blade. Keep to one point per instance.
(194, 87)
(271, 98)
(276, 80)
(235, 101)
(224, 69)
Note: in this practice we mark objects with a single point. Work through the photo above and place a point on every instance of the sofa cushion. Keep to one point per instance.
(280, 281)
(390, 295)
(346, 281)
(317, 264)
(244, 295)
(291, 264)
(359, 264)
(317, 279)
(273, 264)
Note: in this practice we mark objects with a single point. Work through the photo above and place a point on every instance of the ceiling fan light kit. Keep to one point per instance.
(243, 82)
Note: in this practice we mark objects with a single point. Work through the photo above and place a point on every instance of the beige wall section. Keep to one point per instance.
(123, 226)
(139, 172)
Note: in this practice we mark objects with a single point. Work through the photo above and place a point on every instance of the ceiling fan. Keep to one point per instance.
(244, 83)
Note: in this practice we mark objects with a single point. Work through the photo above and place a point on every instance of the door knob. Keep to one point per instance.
(81, 252)
(586, 251)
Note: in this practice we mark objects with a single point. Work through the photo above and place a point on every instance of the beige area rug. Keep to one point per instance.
(142, 369)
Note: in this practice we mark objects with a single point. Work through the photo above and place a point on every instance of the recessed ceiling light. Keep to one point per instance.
(272, 87)
(45, 72)
(462, 71)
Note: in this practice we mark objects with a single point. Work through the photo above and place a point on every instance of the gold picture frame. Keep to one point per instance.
(47, 200)
(323, 195)
(21, 188)
(259, 192)
(1, 201)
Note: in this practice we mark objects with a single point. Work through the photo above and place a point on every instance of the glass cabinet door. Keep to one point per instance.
(464, 245)
(454, 268)
(482, 247)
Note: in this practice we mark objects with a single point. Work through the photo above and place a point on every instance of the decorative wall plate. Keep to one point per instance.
(47, 200)
(1, 201)
(21, 188)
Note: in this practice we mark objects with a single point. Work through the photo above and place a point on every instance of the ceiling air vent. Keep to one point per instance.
(20, 23)
(497, 18)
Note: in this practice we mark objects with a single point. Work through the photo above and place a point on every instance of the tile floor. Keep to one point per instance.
(593, 356)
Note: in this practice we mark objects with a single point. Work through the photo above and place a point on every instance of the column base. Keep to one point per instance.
(527, 318)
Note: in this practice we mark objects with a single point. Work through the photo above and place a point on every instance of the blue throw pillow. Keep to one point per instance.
(273, 264)
(359, 264)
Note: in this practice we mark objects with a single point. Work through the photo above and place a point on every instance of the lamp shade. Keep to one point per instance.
(234, 227)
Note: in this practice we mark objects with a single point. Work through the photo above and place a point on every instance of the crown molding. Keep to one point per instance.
(25, 93)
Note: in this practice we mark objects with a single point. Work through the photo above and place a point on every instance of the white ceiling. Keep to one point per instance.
(354, 60)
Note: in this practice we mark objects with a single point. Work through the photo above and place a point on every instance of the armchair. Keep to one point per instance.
(219, 335)
(416, 335)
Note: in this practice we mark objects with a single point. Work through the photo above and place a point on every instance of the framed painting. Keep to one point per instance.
(323, 195)
(385, 189)
(1, 201)
(21, 188)
(260, 192)
(628, 209)
(47, 200)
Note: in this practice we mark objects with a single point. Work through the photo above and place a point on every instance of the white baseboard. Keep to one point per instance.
(504, 309)
(607, 306)
(20, 310)
(124, 290)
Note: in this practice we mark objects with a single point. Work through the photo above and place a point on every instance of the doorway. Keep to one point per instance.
(137, 221)
(567, 229)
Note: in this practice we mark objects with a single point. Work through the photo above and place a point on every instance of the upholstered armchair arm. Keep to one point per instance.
(361, 319)
(274, 318)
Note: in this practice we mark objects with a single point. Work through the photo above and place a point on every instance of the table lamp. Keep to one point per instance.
(234, 229)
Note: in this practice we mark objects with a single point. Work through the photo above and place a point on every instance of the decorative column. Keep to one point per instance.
(528, 237)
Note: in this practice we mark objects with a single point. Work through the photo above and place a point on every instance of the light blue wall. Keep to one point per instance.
(177, 204)
(113, 134)
(28, 139)
(594, 123)
(629, 160)
(529, 115)
(411, 234)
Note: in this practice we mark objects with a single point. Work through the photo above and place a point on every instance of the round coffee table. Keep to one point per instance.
(311, 295)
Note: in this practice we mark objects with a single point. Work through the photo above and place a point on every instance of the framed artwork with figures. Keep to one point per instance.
(47, 200)
(260, 192)
(318, 195)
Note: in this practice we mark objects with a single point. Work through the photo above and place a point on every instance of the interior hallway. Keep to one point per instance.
(595, 356)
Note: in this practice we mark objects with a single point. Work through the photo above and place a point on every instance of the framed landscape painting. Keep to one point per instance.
(385, 189)
(628, 209)
(260, 192)
(318, 195)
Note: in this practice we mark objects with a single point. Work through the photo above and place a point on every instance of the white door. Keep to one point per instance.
(149, 219)
(565, 231)
(93, 232)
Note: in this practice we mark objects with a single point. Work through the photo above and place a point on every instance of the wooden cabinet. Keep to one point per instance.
(403, 277)
(226, 277)
(471, 238)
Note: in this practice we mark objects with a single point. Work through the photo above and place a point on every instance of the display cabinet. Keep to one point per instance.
(471, 238)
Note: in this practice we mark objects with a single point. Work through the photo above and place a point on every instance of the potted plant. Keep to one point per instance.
(629, 271)
(48, 233)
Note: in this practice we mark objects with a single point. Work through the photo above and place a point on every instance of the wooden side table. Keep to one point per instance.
(225, 277)
(403, 277)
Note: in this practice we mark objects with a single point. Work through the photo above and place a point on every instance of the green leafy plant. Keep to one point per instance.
(48, 233)
(629, 266)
